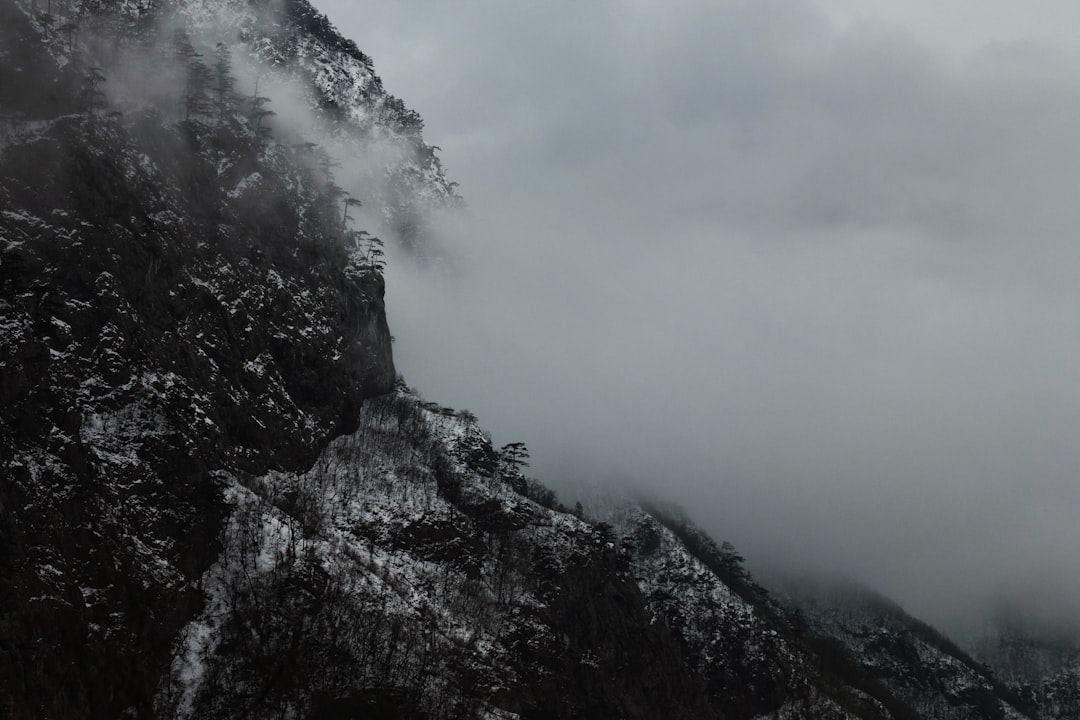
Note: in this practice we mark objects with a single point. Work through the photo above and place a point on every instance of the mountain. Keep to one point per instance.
(912, 660)
(1041, 664)
(218, 499)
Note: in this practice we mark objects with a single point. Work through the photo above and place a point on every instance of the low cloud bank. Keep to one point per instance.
(816, 285)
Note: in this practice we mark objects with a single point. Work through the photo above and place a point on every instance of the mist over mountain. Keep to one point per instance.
(219, 498)
(806, 267)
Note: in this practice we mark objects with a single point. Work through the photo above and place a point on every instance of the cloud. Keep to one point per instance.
(816, 284)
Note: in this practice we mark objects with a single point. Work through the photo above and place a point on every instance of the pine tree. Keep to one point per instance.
(185, 52)
(331, 191)
(349, 202)
(258, 113)
(196, 99)
(91, 98)
(224, 82)
(374, 254)
(515, 456)
(326, 165)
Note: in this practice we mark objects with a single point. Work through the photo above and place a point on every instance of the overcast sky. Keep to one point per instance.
(808, 269)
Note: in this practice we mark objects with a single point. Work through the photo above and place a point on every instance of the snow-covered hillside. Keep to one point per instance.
(217, 500)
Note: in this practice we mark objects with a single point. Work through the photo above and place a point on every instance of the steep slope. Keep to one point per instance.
(404, 572)
(755, 663)
(175, 301)
(1041, 665)
(292, 42)
(413, 572)
(916, 663)
(215, 498)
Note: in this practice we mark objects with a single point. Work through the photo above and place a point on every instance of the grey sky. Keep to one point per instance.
(807, 269)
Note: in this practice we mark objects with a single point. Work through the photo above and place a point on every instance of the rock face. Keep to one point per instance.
(217, 501)
(412, 572)
(172, 307)
(398, 573)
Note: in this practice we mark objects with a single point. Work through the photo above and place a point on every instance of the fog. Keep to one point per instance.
(807, 269)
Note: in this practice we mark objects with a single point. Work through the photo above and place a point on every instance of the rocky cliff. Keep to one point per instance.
(216, 499)
(176, 303)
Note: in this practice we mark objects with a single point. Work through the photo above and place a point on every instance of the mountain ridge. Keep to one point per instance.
(219, 500)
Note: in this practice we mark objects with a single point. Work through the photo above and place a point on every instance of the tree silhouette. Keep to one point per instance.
(183, 48)
(374, 254)
(515, 456)
(258, 113)
(331, 191)
(349, 202)
(326, 166)
(224, 82)
(91, 98)
(196, 98)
